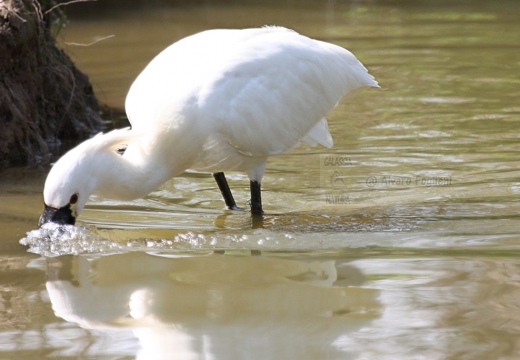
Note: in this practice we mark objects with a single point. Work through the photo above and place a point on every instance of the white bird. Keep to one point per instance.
(215, 101)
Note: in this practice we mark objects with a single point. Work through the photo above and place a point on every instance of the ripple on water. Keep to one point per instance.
(303, 232)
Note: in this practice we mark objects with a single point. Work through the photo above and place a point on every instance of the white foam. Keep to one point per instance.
(55, 240)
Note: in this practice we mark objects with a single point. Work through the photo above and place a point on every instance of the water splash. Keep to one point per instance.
(55, 240)
(299, 233)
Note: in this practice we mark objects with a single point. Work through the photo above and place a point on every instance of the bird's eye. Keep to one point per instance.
(73, 199)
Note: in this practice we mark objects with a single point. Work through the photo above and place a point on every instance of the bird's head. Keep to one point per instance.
(75, 176)
(67, 188)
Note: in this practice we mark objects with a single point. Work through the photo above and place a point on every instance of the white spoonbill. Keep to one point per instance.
(215, 101)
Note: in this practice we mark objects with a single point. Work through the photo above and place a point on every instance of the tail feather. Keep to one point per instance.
(319, 134)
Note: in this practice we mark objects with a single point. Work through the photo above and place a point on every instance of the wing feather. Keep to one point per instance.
(276, 88)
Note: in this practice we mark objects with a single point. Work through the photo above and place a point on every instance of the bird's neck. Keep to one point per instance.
(147, 163)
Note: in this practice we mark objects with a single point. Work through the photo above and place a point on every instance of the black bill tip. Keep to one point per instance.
(61, 216)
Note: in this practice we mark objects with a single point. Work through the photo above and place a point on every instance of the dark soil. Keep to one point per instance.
(44, 98)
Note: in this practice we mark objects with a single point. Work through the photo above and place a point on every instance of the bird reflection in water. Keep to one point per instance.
(212, 305)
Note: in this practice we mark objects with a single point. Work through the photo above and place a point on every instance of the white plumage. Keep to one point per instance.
(216, 101)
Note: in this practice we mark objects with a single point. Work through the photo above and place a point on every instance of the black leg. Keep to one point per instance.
(220, 178)
(256, 198)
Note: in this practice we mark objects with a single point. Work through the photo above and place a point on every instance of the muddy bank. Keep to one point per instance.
(44, 98)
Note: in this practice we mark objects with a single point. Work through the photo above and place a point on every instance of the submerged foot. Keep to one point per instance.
(257, 221)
